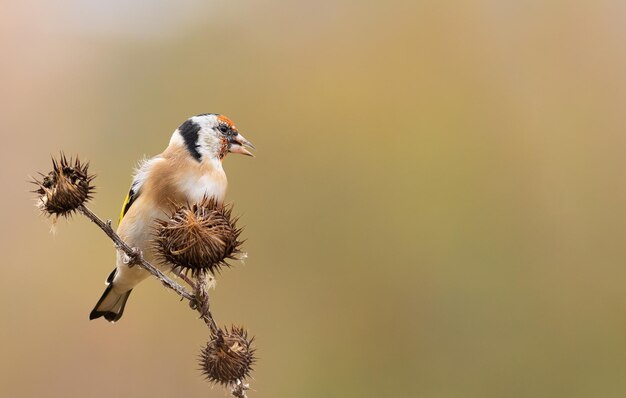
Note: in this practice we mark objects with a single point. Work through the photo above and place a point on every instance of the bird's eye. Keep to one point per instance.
(223, 128)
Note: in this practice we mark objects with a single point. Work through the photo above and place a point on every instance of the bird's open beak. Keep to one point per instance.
(237, 144)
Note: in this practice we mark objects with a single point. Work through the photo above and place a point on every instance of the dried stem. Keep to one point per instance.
(199, 300)
(135, 256)
(203, 304)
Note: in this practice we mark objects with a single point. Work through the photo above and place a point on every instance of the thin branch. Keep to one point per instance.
(134, 255)
(199, 300)
(203, 304)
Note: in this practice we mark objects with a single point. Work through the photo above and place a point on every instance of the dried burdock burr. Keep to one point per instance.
(65, 188)
(198, 238)
(228, 357)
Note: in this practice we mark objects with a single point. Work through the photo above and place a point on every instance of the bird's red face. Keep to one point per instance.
(224, 120)
(233, 141)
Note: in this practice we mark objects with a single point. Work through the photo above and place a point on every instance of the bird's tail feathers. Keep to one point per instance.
(111, 304)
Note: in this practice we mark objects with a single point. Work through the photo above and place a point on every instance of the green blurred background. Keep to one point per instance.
(437, 207)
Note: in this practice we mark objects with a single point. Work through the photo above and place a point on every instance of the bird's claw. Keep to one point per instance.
(134, 258)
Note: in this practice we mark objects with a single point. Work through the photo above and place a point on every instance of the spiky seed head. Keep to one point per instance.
(65, 188)
(228, 357)
(198, 237)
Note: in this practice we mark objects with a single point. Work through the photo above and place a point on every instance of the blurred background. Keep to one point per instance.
(436, 209)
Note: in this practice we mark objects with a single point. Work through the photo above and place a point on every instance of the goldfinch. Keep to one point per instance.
(189, 170)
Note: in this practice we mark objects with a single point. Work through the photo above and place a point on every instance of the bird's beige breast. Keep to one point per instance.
(184, 181)
(202, 182)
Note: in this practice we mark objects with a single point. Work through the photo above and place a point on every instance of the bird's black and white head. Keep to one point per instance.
(210, 136)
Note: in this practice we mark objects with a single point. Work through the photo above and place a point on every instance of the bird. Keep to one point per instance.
(186, 172)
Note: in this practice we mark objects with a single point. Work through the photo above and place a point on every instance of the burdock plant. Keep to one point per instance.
(200, 237)
(228, 356)
(65, 188)
(196, 240)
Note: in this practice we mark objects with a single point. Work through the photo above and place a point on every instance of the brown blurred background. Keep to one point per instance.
(437, 207)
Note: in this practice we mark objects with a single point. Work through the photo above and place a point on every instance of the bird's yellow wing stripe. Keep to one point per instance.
(130, 199)
(125, 206)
